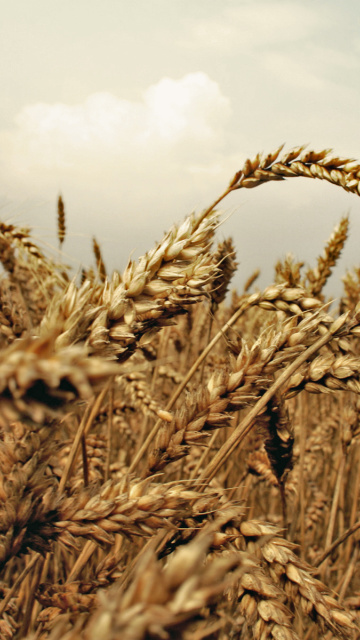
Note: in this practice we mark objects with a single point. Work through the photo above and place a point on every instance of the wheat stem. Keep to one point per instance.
(184, 383)
(246, 425)
(21, 576)
(83, 429)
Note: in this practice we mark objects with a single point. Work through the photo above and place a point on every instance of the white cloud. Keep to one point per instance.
(106, 128)
(189, 107)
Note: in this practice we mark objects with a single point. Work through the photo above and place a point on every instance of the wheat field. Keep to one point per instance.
(177, 461)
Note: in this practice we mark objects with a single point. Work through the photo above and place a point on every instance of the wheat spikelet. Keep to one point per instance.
(224, 257)
(100, 265)
(288, 271)
(278, 437)
(33, 278)
(351, 295)
(134, 387)
(295, 578)
(317, 277)
(342, 172)
(36, 381)
(61, 228)
(18, 237)
(250, 281)
(129, 310)
(328, 373)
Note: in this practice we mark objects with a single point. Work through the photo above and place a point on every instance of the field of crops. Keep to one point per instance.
(179, 461)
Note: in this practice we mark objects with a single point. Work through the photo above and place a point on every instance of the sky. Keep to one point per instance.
(140, 112)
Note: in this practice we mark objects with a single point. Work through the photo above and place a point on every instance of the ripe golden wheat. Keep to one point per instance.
(173, 463)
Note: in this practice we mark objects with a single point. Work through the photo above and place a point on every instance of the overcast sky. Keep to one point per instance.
(140, 112)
